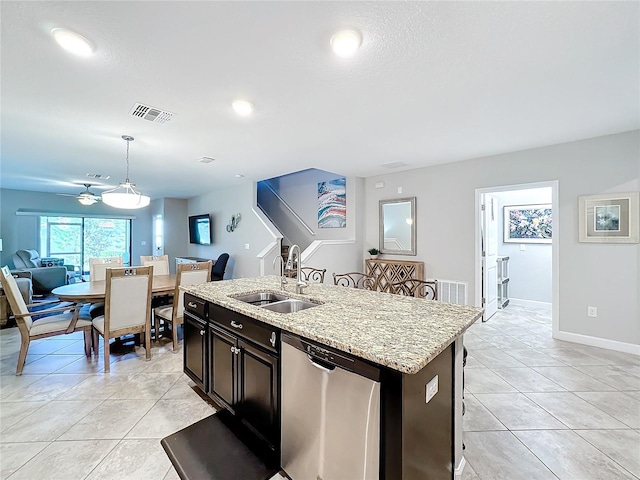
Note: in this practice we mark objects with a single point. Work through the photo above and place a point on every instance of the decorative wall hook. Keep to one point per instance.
(233, 224)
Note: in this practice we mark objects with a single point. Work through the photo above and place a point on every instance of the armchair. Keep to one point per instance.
(45, 278)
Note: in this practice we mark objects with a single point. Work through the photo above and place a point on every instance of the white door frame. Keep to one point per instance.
(555, 242)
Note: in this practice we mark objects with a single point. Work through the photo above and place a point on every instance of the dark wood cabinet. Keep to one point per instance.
(195, 349)
(257, 403)
(243, 372)
(222, 366)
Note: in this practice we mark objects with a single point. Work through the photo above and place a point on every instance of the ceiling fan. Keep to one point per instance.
(86, 197)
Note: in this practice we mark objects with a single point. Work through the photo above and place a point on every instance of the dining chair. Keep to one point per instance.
(59, 321)
(160, 263)
(312, 275)
(127, 308)
(354, 280)
(173, 315)
(97, 273)
(98, 267)
(413, 287)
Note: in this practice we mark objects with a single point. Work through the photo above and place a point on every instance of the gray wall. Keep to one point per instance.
(300, 191)
(602, 275)
(174, 212)
(221, 204)
(529, 269)
(21, 232)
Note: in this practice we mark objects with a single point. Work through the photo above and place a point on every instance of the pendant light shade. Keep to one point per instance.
(125, 195)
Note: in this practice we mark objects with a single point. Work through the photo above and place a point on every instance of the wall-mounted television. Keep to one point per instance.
(200, 231)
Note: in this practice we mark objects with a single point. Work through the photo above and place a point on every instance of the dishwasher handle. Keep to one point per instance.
(320, 365)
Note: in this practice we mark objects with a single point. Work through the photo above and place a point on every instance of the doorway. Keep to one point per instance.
(515, 269)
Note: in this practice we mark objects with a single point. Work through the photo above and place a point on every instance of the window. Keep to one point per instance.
(77, 239)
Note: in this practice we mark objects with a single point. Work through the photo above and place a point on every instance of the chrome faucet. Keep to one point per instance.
(299, 283)
(283, 279)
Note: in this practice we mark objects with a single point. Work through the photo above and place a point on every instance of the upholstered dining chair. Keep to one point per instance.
(60, 321)
(127, 308)
(416, 288)
(160, 263)
(354, 280)
(312, 275)
(97, 273)
(173, 315)
(98, 267)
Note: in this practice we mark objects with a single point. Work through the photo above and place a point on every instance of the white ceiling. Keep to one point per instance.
(433, 82)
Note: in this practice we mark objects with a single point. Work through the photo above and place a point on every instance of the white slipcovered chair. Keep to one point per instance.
(127, 308)
(172, 315)
(64, 320)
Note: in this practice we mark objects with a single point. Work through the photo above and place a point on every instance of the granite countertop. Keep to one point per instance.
(402, 333)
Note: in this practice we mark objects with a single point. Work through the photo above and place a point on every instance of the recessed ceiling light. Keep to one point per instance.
(242, 107)
(72, 42)
(346, 42)
(239, 175)
(206, 160)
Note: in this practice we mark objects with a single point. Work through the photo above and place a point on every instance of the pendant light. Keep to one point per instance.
(125, 195)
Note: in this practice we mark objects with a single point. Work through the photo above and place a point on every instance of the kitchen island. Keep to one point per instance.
(409, 343)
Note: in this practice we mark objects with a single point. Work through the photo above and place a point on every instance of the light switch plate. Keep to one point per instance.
(246, 246)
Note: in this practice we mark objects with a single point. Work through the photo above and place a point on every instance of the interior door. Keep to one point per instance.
(489, 255)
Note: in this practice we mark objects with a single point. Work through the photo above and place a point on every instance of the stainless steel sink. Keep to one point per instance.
(290, 305)
(261, 298)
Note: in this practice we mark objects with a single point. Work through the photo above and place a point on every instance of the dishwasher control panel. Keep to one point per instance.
(327, 355)
(331, 357)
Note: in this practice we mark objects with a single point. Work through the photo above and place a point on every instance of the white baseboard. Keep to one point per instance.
(598, 342)
(460, 468)
(529, 303)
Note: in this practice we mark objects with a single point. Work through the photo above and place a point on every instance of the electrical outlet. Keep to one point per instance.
(143, 243)
(592, 311)
(523, 247)
(431, 389)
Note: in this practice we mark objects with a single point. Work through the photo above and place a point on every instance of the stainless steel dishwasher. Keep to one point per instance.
(330, 413)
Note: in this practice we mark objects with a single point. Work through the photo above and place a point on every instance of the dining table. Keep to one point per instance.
(93, 292)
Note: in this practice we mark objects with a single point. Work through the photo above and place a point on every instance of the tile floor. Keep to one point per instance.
(539, 408)
(536, 408)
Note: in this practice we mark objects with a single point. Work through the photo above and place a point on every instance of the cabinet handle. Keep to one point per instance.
(192, 305)
(236, 325)
(235, 350)
(201, 332)
(273, 339)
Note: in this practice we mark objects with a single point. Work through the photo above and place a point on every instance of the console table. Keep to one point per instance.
(386, 272)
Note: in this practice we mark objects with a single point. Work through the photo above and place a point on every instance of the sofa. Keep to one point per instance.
(44, 278)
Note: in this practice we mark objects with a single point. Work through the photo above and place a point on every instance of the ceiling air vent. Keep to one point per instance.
(98, 175)
(150, 113)
(394, 165)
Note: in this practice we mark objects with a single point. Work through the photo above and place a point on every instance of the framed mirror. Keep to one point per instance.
(398, 226)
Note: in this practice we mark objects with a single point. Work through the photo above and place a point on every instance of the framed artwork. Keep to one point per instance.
(332, 203)
(609, 218)
(527, 223)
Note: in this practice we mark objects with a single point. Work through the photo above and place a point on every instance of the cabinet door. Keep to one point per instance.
(195, 349)
(223, 365)
(258, 391)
